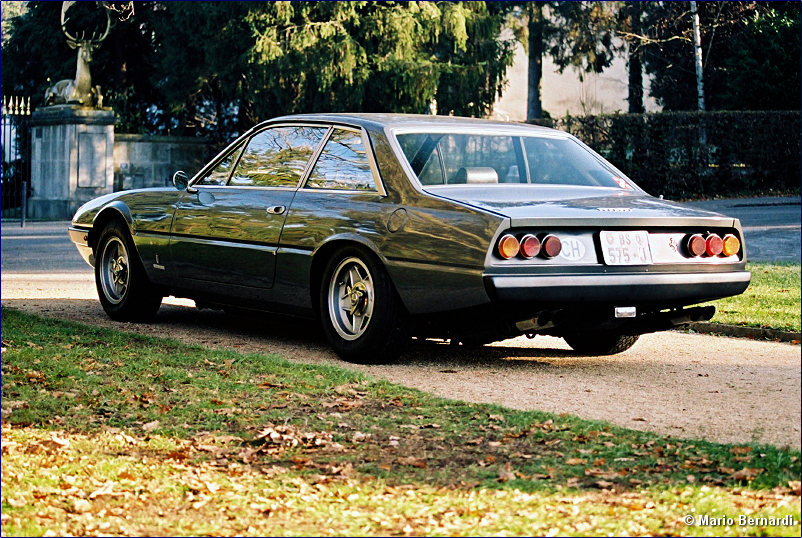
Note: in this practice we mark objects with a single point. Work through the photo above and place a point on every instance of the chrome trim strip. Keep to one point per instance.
(594, 281)
(236, 244)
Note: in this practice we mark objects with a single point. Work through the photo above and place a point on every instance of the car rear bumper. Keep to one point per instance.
(623, 287)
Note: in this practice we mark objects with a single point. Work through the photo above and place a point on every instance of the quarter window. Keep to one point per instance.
(277, 157)
(219, 176)
(343, 164)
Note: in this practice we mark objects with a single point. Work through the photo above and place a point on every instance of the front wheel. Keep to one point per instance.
(122, 286)
(600, 342)
(361, 313)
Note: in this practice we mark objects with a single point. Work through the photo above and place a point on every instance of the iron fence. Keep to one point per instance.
(15, 146)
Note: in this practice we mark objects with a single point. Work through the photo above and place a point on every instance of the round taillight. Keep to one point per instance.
(696, 245)
(550, 246)
(713, 245)
(530, 246)
(731, 245)
(508, 247)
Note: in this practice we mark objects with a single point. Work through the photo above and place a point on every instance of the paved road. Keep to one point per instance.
(40, 247)
(722, 389)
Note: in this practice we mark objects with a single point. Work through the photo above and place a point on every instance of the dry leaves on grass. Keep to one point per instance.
(276, 438)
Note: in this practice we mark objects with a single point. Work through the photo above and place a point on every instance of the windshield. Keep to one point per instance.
(445, 159)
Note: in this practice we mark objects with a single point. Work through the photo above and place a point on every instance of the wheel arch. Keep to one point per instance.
(324, 252)
(114, 211)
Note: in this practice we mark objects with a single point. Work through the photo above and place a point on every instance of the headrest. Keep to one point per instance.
(476, 174)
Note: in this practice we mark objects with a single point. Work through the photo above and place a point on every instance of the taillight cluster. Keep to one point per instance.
(712, 245)
(528, 246)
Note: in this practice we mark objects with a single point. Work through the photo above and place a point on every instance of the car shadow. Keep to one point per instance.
(293, 338)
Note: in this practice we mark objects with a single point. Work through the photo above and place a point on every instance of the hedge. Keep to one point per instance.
(684, 155)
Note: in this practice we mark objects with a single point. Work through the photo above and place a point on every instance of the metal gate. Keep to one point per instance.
(15, 142)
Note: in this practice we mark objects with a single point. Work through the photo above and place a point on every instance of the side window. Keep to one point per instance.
(277, 157)
(343, 164)
(220, 174)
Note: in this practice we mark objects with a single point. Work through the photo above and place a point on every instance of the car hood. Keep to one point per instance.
(524, 203)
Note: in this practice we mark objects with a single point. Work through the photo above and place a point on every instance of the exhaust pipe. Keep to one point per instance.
(663, 321)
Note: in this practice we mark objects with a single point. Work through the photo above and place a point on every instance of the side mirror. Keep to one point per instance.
(180, 180)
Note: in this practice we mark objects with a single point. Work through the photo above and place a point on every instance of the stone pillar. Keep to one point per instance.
(71, 159)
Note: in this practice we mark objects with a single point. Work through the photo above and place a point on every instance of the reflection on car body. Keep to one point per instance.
(391, 226)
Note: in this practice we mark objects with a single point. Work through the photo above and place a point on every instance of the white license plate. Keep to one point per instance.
(626, 248)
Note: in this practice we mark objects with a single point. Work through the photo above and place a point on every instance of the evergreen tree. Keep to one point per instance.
(218, 67)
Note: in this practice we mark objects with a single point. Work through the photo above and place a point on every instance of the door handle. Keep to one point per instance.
(275, 210)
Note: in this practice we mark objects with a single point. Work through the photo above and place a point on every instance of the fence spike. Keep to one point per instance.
(16, 104)
(28, 107)
(4, 104)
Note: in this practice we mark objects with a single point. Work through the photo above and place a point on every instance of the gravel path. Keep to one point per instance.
(688, 385)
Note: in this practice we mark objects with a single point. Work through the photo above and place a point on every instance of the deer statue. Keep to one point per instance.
(79, 90)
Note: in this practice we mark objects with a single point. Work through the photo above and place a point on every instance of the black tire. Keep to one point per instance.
(361, 314)
(599, 342)
(122, 285)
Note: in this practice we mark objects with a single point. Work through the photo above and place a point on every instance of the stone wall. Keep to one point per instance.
(71, 159)
(150, 161)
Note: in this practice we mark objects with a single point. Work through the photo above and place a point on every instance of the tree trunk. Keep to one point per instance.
(697, 53)
(534, 109)
(634, 65)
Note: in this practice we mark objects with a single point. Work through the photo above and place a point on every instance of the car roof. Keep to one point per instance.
(409, 121)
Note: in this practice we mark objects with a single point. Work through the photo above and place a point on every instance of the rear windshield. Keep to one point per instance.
(445, 159)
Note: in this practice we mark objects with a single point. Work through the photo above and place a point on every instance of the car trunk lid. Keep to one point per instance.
(566, 204)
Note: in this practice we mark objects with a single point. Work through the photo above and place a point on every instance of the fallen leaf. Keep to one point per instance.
(794, 486)
(741, 450)
(105, 489)
(150, 426)
(575, 461)
(506, 474)
(81, 506)
(747, 473)
(413, 461)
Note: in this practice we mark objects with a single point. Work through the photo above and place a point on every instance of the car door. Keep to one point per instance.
(226, 227)
(342, 197)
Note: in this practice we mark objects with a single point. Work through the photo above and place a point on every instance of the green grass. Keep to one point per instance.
(112, 433)
(772, 299)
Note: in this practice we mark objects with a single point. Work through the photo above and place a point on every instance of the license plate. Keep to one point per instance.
(626, 248)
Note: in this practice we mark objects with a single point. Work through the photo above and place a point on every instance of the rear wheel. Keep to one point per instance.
(122, 286)
(599, 342)
(361, 313)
